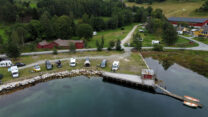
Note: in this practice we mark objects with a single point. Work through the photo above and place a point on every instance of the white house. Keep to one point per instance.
(155, 42)
(94, 33)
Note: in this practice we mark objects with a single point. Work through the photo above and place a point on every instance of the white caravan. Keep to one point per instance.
(5, 63)
(15, 72)
(72, 62)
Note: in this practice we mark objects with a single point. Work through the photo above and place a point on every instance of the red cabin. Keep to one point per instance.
(79, 44)
(45, 44)
(147, 74)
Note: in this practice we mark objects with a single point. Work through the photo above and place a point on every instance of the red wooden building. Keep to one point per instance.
(148, 74)
(195, 22)
(61, 43)
(45, 44)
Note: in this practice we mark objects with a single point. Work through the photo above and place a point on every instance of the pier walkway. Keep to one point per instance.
(133, 79)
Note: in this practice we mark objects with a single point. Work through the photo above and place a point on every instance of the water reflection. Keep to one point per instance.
(166, 63)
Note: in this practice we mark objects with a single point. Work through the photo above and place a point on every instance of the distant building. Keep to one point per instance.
(203, 32)
(195, 22)
(61, 43)
(45, 44)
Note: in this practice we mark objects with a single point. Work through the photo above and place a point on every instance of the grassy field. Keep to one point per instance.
(147, 40)
(131, 65)
(203, 40)
(177, 9)
(194, 60)
(110, 35)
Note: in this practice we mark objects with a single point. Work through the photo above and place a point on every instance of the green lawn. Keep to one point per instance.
(203, 40)
(147, 40)
(110, 35)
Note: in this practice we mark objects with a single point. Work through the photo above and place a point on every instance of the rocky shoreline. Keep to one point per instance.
(10, 87)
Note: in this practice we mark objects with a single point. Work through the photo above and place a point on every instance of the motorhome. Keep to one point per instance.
(72, 62)
(15, 72)
(115, 66)
(5, 63)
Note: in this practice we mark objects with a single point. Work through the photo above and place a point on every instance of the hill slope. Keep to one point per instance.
(177, 9)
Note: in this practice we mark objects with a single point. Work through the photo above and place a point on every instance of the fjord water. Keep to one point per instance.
(83, 97)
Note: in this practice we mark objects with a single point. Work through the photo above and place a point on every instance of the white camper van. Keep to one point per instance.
(72, 62)
(5, 63)
(115, 66)
(14, 71)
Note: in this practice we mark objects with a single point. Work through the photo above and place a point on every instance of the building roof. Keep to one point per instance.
(44, 42)
(65, 43)
(147, 72)
(186, 19)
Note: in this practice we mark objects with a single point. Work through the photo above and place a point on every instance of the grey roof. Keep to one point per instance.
(185, 19)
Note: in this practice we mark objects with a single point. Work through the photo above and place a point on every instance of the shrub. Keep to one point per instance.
(55, 51)
(111, 45)
(158, 47)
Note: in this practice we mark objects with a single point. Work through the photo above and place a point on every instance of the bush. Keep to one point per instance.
(158, 47)
(72, 48)
(111, 45)
(55, 51)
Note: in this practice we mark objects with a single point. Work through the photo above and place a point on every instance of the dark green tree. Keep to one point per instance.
(137, 42)
(13, 50)
(84, 31)
(169, 35)
(118, 45)
(111, 44)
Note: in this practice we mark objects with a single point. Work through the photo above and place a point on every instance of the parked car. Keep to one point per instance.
(72, 62)
(36, 68)
(87, 62)
(19, 64)
(103, 63)
(115, 66)
(48, 65)
(58, 64)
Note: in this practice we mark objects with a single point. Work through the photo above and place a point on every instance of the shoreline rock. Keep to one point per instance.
(13, 86)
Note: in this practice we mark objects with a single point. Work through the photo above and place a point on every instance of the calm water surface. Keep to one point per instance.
(83, 97)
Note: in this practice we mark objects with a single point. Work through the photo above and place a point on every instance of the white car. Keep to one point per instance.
(72, 62)
(115, 66)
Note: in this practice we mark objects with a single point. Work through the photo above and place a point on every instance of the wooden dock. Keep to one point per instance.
(168, 93)
(131, 79)
(137, 81)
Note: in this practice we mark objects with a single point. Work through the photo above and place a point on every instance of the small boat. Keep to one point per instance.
(191, 98)
(190, 104)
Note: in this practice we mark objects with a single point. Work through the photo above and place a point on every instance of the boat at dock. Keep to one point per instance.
(190, 104)
(191, 98)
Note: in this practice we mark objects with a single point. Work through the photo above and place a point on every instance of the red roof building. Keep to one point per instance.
(196, 22)
(45, 44)
(61, 43)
